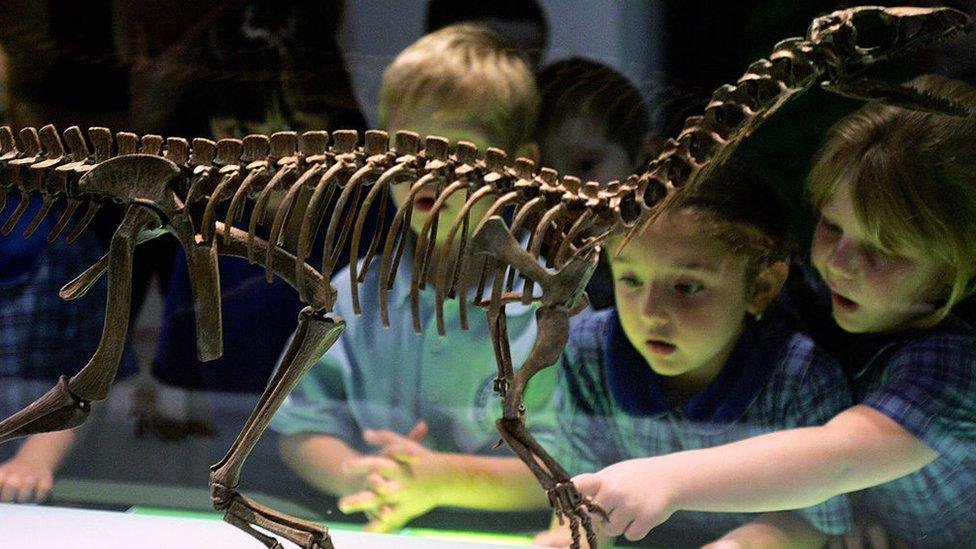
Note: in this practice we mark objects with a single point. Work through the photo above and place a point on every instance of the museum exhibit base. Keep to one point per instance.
(152, 527)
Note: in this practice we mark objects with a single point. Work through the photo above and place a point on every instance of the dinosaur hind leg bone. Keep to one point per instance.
(562, 297)
(315, 334)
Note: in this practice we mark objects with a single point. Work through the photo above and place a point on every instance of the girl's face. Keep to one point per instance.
(871, 291)
(682, 298)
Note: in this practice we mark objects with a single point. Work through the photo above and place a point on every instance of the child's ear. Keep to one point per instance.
(766, 286)
(528, 150)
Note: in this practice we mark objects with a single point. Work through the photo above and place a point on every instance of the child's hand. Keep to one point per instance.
(631, 494)
(24, 481)
(402, 478)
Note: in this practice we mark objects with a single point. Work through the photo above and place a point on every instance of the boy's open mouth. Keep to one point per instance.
(660, 347)
(843, 303)
(423, 203)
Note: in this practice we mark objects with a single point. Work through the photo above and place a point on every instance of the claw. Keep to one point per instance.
(567, 501)
(248, 515)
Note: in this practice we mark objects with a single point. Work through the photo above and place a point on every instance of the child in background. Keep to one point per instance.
(522, 22)
(343, 425)
(42, 338)
(277, 68)
(594, 124)
(896, 247)
(698, 352)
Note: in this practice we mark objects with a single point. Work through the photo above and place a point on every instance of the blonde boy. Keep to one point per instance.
(343, 424)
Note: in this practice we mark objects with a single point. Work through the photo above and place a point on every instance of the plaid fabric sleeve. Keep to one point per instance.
(583, 440)
(318, 404)
(819, 392)
(929, 388)
(43, 337)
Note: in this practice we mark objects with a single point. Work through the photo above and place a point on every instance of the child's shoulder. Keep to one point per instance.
(585, 353)
(796, 354)
(801, 356)
(588, 330)
(949, 348)
(926, 382)
(805, 384)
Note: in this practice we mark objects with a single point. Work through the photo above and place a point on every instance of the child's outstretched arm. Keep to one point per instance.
(29, 475)
(791, 469)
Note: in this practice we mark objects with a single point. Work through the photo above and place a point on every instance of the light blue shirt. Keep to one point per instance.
(391, 378)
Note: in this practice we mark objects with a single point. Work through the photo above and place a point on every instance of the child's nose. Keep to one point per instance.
(842, 260)
(653, 307)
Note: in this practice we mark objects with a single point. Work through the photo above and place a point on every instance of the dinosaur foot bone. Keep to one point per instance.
(249, 515)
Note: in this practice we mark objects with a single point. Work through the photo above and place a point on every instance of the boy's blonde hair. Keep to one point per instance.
(912, 177)
(464, 72)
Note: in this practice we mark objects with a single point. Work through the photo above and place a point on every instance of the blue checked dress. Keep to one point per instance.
(613, 407)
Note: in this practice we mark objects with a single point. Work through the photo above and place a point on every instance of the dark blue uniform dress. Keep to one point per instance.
(43, 337)
(925, 380)
(613, 407)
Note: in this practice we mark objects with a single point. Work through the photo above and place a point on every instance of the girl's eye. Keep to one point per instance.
(630, 281)
(688, 288)
(873, 256)
(828, 226)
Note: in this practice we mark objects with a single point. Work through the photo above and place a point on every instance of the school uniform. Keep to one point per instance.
(391, 378)
(43, 337)
(925, 381)
(613, 407)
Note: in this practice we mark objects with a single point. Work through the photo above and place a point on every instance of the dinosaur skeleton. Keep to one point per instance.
(175, 187)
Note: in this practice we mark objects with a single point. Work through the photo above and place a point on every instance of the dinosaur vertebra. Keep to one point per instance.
(175, 187)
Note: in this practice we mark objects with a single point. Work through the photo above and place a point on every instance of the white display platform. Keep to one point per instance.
(40, 527)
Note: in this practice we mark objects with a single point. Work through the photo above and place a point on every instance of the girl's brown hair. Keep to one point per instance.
(737, 205)
(912, 177)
